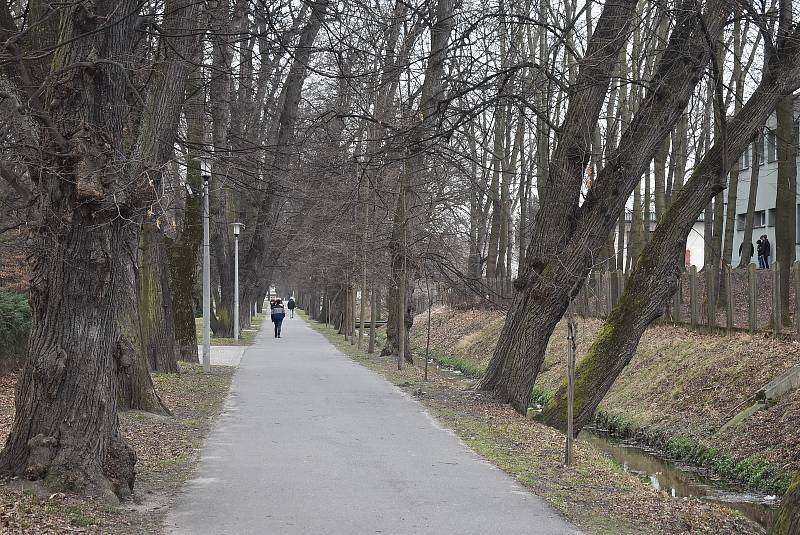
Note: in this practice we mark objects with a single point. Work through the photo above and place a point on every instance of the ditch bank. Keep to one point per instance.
(676, 396)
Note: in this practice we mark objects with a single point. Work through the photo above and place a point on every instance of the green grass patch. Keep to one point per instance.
(455, 363)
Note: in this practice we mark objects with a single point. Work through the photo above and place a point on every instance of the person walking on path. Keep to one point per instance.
(291, 306)
(277, 316)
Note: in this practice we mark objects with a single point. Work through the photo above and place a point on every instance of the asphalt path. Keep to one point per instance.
(312, 443)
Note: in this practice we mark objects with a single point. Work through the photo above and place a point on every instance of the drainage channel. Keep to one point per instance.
(681, 481)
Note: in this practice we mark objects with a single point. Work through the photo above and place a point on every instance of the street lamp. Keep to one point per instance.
(237, 229)
(205, 172)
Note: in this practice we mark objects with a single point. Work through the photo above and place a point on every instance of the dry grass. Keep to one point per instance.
(680, 382)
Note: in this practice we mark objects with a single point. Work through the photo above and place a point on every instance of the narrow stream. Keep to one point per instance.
(682, 481)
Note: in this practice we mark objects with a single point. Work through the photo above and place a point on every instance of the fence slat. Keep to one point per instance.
(693, 296)
(677, 302)
(729, 299)
(777, 319)
(796, 282)
(752, 318)
(711, 297)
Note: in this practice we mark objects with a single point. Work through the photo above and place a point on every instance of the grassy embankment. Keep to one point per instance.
(677, 393)
(595, 494)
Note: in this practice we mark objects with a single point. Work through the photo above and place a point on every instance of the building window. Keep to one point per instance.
(744, 161)
(759, 219)
(771, 217)
(772, 148)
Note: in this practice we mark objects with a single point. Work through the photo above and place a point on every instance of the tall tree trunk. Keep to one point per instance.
(747, 252)
(83, 279)
(155, 302)
(786, 199)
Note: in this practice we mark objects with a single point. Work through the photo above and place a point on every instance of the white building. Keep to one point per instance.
(764, 212)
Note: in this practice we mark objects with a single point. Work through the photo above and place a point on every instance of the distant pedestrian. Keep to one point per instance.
(277, 316)
(291, 306)
(760, 251)
(767, 250)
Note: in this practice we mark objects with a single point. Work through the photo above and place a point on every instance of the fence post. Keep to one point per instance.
(752, 318)
(796, 282)
(777, 305)
(598, 296)
(693, 295)
(729, 298)
(711, 297)
(677, 302)
(585, 299)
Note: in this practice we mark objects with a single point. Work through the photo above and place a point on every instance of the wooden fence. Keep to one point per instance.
(742, 299)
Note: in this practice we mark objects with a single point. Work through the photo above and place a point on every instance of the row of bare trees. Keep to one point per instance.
(369, 148)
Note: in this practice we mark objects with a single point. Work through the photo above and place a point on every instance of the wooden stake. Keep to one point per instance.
(693, 295)
(568, 458)
(752, 319)
(729, 299)
(777, 319)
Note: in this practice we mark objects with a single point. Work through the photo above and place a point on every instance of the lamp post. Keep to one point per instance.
(205, 171)
(237, 229)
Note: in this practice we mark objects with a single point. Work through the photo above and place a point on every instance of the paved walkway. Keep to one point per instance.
(312, 443)
(224, 355)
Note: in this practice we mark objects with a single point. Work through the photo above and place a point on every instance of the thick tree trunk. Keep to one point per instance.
(66, 430)
(785, 200)
(183, 250)
(83, 279)
(155, 303)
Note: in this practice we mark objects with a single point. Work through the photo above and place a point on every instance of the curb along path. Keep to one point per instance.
(313, 443)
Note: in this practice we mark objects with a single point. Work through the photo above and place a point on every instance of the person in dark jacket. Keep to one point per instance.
(760, 250)
(291, 306)
(277, 316)
(767, 250)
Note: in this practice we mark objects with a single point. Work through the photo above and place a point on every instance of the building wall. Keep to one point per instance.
(765, 197)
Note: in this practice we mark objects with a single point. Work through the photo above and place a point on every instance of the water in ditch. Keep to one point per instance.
(682, 481)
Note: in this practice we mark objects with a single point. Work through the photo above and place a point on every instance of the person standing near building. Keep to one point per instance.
(277, 315)
(760, 251)
(291, 306)
(767, 250)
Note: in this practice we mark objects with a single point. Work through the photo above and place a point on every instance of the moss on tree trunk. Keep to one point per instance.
(787, 521)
